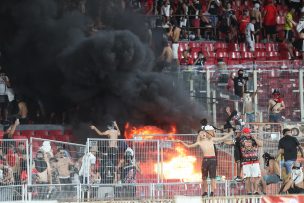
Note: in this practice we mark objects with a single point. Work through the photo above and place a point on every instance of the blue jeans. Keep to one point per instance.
(275, 117)
(288, 165)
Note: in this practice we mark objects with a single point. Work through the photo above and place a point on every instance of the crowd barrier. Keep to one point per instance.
(161, 168)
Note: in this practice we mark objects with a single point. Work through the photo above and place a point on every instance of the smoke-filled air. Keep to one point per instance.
(55, 60)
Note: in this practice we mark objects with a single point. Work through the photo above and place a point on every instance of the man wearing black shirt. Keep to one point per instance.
(240, 83)
(288, 147)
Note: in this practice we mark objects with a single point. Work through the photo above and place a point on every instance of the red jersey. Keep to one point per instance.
(244, 20)
(270, 15)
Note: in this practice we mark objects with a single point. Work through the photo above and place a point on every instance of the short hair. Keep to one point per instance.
(252, 18)
(286, 130)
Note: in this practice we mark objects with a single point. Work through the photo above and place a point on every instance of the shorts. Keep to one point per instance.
(209, 167)
(251, 44)
(196, 23)
(251, 170)
(288, 35)
(175, 50)
(237, 154)
(113, 155)
(271, 179)
(257, 27)
(288, 165)
(270, 29)
(275, 117)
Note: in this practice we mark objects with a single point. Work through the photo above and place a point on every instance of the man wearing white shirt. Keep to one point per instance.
(4, 84)
(249, 32)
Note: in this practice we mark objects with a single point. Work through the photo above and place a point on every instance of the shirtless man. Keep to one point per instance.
(248, 108)
(206, 141)
(256, 13)
(112, 133)
(174, 34)
(166, 58)
(275, 106)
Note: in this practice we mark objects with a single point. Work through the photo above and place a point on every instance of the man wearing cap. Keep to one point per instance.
(206, 141)
(249, 159)
(275, 106)
(288, 147)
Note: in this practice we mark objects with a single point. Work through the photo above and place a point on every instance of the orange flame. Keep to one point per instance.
(130, 131)
(178, 163)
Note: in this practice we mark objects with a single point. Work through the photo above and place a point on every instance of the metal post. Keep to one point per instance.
(86, 168)
(28, 168)
(192, 91)
(30, 162)
(208, 91)
(78, 192)
(158, 163)
(255, 86)
(301, 94)
(214, 107)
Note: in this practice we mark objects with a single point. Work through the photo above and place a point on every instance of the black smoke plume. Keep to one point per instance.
(94, 79)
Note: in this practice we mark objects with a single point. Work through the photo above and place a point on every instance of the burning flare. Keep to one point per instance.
(178, 163)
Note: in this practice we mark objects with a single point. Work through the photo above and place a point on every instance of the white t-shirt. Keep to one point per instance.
(249, 29)
(87, 160)
(166, 10)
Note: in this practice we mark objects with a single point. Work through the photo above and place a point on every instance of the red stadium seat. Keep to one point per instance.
(194, 54)
(285, 55)
(220, 46)
(55, 132)
(259, 47)
(222, 55)
(27, 133)
(194, 45)
(243, 47)
(247, 57)
(182, 46)
(17, 133)
(234, 58)
(41, 133)
(207, 46)
(271, 47)
(233, 47)
(260, 55)
(273, 55)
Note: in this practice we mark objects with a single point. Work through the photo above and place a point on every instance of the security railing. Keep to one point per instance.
(209, 87)
(157, 169)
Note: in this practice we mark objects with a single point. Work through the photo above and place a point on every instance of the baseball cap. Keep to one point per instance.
(246, 130)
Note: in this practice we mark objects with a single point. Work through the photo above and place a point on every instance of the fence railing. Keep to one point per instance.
(157, 169)
(109, 192)
(209, 87)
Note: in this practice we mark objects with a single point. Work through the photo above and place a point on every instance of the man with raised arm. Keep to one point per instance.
(111, 161)
(206, 141)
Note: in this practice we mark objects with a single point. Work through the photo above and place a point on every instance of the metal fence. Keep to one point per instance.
(208, 86)
(54, 162)
(14, 162)
(161, 169)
